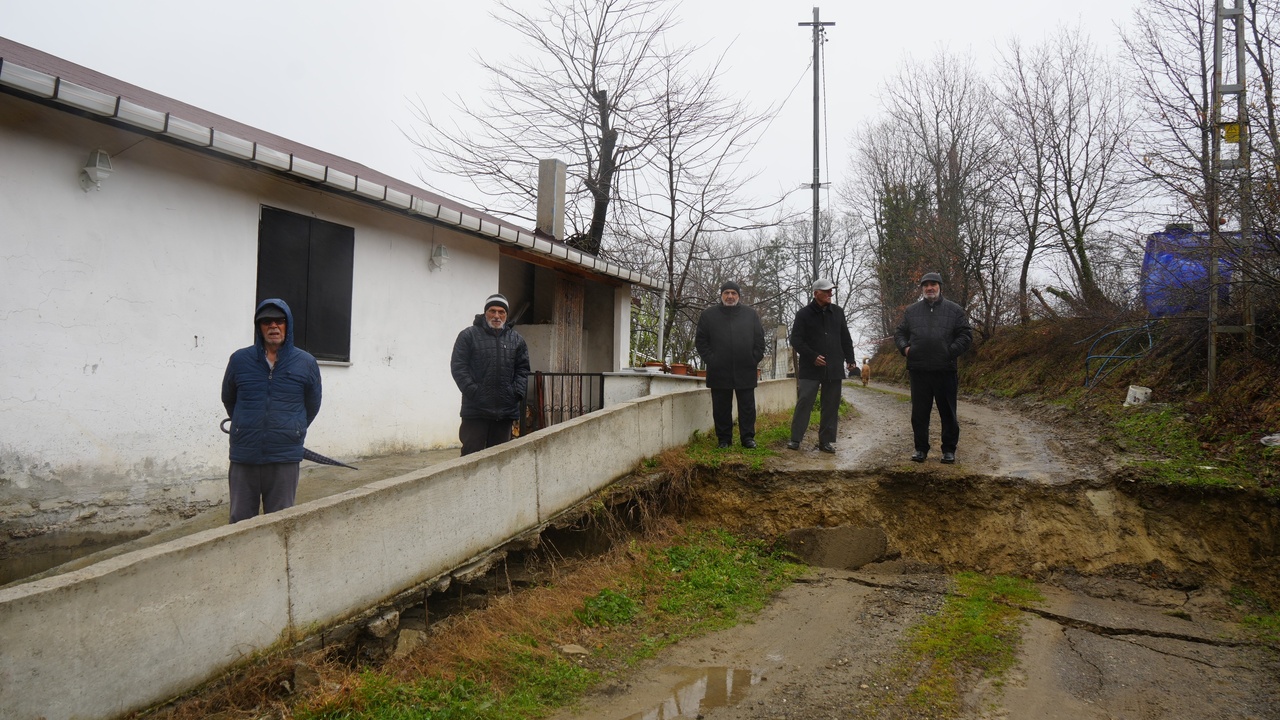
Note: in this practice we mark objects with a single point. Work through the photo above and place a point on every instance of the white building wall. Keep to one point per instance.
(120, 307)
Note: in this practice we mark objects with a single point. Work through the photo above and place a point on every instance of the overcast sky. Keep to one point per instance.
(340, 76)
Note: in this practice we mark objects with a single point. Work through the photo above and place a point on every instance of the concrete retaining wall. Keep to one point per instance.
(146, 626)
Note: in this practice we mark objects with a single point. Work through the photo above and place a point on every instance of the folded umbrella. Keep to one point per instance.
(311, 455)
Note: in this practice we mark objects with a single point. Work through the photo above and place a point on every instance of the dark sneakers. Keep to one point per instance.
(948, 458)
(919, 456)
(827, 447)
(793, 445)
(724, 444)
(749, 444)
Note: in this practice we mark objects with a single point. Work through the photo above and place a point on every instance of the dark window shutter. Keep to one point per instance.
(329, 290)
(308, 263)
(284, 249)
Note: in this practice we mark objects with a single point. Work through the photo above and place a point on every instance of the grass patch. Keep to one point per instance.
(504, 662)
(976, 633)
(1259, 618)
(1174, 453)
(772, 430)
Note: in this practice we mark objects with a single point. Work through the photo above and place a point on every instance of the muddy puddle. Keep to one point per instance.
(697, 690)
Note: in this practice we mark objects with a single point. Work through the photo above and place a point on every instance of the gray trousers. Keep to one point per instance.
(274, 486)
(806, 393)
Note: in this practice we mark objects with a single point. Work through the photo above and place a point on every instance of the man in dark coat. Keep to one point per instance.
(271, 391)
(490, 364)
(730, 341)
(933, 333)
(820, 336)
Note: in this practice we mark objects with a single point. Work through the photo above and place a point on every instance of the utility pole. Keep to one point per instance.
(817, 180)
(1234, 132)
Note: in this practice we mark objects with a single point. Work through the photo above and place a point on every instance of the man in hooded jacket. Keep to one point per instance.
(490, 365)
(820, 337)
(934, 332)
(271, 391)
(730, 341)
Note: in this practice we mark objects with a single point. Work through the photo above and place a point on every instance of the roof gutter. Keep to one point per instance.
(185, 132)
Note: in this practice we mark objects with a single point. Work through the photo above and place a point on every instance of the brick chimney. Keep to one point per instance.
(551, 178)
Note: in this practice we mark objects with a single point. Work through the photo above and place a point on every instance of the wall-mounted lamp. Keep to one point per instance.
(95, 171)
(439, 257)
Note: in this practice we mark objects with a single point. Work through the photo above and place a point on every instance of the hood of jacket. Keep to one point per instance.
(261, 344)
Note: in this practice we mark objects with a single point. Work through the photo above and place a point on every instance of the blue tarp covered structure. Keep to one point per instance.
(1175, 273)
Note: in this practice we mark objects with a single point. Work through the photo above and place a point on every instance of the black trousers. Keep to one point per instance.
(476, 435)
(722, 413)
(934, 388)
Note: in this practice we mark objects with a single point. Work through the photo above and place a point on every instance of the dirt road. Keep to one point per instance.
(1135, 625)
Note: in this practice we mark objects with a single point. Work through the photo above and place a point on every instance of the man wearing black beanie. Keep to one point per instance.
(490, 365)
(730, 341)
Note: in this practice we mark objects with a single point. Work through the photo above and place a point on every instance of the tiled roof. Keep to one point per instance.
(79, 89)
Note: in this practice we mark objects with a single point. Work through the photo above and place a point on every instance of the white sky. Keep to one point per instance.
(339, 76)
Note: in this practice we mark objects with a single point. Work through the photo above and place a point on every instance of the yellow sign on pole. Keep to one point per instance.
(1231, 132)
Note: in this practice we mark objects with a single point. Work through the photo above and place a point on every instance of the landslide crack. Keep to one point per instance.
(1107, 631)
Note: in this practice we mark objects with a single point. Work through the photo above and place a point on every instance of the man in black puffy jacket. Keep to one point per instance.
(730, 341)
(820, 337)
(933, 333)
(490, 364)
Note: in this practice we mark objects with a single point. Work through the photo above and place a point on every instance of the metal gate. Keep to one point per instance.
(556, 397)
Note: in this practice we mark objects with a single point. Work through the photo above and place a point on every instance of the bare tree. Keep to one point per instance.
(927, 183)
(690, 195)
(1171, 48)
(1170, 52)
(1086, 130)
(1022, 124)
(585, 95)
(1263, 50)
(891, 192)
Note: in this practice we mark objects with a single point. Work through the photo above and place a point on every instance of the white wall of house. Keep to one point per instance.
(120, 307)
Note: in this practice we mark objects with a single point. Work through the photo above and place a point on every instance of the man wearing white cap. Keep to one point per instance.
(490, 364)
(820, 336)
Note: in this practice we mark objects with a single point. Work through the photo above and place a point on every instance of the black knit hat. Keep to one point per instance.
(730, 285)
(497, 299)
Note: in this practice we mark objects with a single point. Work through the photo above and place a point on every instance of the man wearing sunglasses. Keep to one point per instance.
(271, 391)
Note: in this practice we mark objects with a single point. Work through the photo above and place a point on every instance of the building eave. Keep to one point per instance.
(32, 74)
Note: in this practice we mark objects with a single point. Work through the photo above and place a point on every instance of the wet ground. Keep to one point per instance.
(1137, 623)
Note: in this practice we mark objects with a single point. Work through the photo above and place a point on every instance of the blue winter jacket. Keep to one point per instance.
(270, 408)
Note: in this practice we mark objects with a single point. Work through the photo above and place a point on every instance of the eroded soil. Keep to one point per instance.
(1137, 621)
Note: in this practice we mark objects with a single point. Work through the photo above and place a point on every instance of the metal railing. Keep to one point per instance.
(557, 397)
